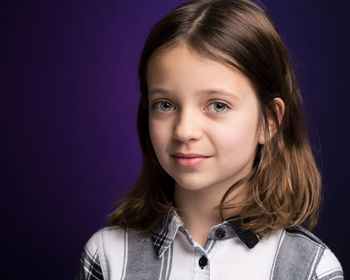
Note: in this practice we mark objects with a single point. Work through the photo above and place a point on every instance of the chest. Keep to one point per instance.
(219, 259)
(280, 257)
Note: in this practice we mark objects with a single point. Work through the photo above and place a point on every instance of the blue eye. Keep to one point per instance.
(218, 107)
(162, 106)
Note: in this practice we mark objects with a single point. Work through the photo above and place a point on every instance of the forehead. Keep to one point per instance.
(178, 68)
(181, 55)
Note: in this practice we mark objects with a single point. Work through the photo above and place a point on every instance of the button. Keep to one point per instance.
(220, 233)
(203, 261)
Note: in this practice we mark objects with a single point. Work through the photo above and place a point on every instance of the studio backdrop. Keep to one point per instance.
(69, 96)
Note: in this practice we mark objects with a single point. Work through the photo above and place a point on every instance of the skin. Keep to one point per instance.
(201, 106)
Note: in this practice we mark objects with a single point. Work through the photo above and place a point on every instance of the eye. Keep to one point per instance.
(218, 107)
(162, 106)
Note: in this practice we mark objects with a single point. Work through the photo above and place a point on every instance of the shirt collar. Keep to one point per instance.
(164, 233)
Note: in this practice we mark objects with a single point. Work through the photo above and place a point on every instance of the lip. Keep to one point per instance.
(189, 160)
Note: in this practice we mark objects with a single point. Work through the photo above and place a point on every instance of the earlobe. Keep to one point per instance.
(279, 109)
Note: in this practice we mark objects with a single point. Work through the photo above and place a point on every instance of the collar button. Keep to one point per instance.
(220, 233)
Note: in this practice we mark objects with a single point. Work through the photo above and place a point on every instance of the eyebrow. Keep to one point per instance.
(158, 90)
(206, 91)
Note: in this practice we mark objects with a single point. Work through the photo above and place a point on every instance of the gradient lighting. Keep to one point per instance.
(69, 95)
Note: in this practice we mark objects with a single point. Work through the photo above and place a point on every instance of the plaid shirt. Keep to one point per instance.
(170, 253)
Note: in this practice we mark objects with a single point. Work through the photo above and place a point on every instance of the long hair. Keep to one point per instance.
(284, 185)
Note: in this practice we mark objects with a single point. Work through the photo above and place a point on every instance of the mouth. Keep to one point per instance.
(189, 160)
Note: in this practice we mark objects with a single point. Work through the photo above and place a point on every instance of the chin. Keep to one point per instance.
(192, 185)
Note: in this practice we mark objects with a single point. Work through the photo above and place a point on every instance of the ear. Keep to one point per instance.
(279, 108)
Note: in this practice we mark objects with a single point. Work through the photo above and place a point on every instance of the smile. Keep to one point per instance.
(189, 160)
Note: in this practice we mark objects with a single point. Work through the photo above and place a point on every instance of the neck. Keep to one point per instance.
(199, 211)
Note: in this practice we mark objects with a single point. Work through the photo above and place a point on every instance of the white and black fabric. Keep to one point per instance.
(229, 253)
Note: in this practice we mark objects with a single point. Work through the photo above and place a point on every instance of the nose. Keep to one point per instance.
(188, 126)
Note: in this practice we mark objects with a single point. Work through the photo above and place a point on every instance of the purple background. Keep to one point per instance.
(69, 95)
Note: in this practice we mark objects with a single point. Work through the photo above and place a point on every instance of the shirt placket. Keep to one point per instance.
(201, 263)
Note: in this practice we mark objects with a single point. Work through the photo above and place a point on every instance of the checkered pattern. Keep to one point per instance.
(164, 233)
(131, 256)
(90, 267)
(335, 274)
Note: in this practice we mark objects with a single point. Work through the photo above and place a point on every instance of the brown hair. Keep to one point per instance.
(284, 183)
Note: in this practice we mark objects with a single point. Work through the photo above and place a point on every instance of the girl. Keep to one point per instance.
(228, 176)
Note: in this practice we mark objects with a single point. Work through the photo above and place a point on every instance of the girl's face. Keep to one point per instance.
(203, 120)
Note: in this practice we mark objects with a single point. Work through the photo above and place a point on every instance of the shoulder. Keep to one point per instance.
(105, 236)
(300, 233)
(300, 243)
(113, 247)
(102, 249)
(328, 267)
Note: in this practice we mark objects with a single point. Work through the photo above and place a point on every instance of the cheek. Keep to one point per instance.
(238, 141)
(158, 134)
